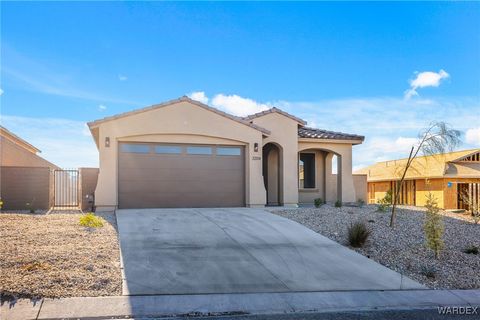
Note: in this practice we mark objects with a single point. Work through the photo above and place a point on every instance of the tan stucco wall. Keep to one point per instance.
(345, 187)
(88, 183)
(12, 154)
(284, 132)
(360, 184)
(181, 122)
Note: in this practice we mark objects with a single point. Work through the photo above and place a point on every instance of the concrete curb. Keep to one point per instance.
(234, 304)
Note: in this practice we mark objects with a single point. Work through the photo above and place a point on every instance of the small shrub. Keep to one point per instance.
(433, 226)
(471, 250)
(318, 202)
(360, 203)
(385, 202)
(338, 204)
(33, 266)
(429, 271)
(358, 234)
(90, 220)
(29, 206)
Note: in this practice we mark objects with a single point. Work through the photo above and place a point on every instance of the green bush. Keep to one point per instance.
(433, 226)
(318, 202)
(385, 202)
(30, 207)
(358, 234)
(90, 220)
(471, 250)
(360, 203)
(429, 271)
(338, 204)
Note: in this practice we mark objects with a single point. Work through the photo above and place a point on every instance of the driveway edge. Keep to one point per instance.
(236, 304)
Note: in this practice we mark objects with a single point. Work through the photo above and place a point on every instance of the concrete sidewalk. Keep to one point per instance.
(235, 304)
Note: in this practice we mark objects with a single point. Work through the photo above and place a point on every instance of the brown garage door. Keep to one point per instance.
(175, 176)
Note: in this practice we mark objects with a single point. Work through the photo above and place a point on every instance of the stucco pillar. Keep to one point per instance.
(106, 190)
(330, 179)
(345, 170)
(289, 161)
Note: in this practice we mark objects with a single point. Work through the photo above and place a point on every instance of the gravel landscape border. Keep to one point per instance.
(402, 249)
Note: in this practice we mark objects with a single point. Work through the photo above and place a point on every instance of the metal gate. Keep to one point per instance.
(66, 184)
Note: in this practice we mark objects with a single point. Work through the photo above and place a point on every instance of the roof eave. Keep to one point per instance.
(96, 123)
(347, 141)
(276, 110)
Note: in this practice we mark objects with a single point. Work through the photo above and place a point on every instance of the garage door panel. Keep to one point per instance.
(152, 161)
(193, 186)
(187, 175)
(148, 180)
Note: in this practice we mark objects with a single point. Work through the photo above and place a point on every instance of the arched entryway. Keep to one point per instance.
(319, 175)
(272, 157)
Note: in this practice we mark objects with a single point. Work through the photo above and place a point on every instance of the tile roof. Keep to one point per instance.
(275, 110)
(306, 132)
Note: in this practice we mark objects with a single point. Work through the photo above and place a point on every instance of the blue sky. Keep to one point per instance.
(384, 70)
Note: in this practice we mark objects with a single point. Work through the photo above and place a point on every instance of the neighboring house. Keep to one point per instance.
(16, 152)
(447, 176)
(183, 153)
(25, 177)
(27, 181)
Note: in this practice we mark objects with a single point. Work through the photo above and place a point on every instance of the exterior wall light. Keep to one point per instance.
(255, 147)
(107, 142)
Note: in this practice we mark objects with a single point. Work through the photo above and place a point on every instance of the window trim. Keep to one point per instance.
(314, 186)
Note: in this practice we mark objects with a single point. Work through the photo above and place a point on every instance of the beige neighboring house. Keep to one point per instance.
(16, 152)
(25, 177)
(183, 153)
(451, 178)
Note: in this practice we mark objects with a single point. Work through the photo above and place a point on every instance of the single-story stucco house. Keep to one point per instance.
(183, 153)
(450, 177)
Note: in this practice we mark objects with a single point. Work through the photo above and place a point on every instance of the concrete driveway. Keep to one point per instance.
(238, 250)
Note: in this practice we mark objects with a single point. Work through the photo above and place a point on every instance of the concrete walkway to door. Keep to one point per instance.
(238, 250)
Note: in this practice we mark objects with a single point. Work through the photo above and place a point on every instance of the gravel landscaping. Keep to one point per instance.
(53, 256)
(403, 248)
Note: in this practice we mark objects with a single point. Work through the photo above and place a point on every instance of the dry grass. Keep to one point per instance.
(53, 256)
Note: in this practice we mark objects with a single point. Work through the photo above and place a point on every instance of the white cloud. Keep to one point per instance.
(199, 96)
(233, 104)
(122, 77)
(102, 107)
(425, 79)
(1, 91)
(237, 105)
(472, 136)
(66, 143)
